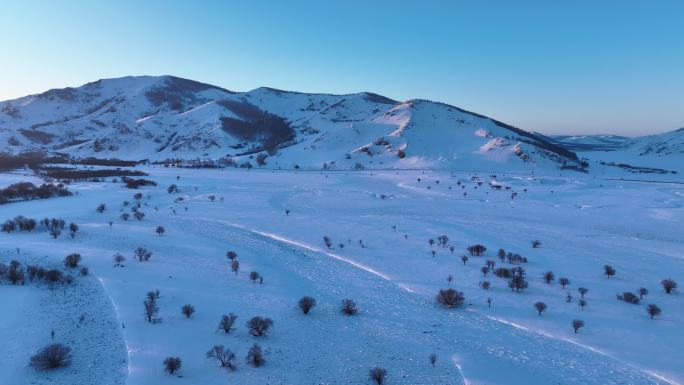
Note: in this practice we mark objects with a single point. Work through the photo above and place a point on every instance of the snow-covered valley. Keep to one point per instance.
(379, 223)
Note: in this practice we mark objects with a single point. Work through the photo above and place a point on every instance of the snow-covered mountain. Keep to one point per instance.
(165, 117)
(653, 154)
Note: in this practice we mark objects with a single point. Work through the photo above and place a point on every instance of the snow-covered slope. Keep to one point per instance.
(167, 117)
(590, 142)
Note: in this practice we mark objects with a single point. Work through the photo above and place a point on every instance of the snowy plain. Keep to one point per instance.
(582, 222)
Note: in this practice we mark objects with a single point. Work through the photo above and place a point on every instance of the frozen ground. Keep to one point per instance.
(583, 223)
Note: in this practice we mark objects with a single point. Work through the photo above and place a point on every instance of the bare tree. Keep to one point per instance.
(151, 308)
(563, 282)
(187, 310)
(536, 244)
(224, 356)
(653, 310)
(142, 254)
(450, 278)
(51, 357)
(484, 270)
(231, 255)
(101, 208)
(349, 307)
(255, 357)
(582, 291)
(235, 266)
(642, 292)
(377, 375)
(549, 277)
(668, 285)
(227, 322)
(577, 324)
(485, 285)
(172, 364)
(582, 303)
(489, 302)
(160, 230)
(540, 306)
(327, 241)
(608, 271)
(433, 359)
(306, 304)
(258, 326)
(118, 259)
(450, 298)
(253, 276)
(73, 228)
(464, 258)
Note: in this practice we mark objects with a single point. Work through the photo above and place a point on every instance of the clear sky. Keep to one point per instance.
(581, 66)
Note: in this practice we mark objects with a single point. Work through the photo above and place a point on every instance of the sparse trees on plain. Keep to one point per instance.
(540, 307)
(226, 323)
(668, 285)
(484, 270)
(577, 324)
(377, 375)
(652, 310)
(139, 215)
(187, 310)
(224, 356)
(582, 303)
(306, 304)
(464, 258)
(258, 326)
(172, 364)
(450, 298)
(349, 307)
(254, 276)
(517, 283)
(501, 254)
(235, 266)
(160, 230)
(231, 255)
(255, 357)
(53, 356)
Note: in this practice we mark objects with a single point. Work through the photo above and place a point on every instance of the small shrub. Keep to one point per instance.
(255, 357)
(577, 324)
(668, 285)
(72, 260)
(652, 310)
(306, 304)
(187, 310)
(259, 326)
(51, 357)
(172, 364)
(450, 298)
(377, 375)
(227, 322)
(224, 356)
(349, 307)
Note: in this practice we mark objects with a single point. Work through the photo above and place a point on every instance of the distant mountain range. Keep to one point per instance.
(166, 117)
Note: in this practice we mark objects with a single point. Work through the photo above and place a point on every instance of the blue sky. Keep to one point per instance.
(549, 66)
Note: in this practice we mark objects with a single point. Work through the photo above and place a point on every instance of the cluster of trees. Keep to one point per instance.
(27, 190)
(137, 183)
(53, 226)
(16, 274)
